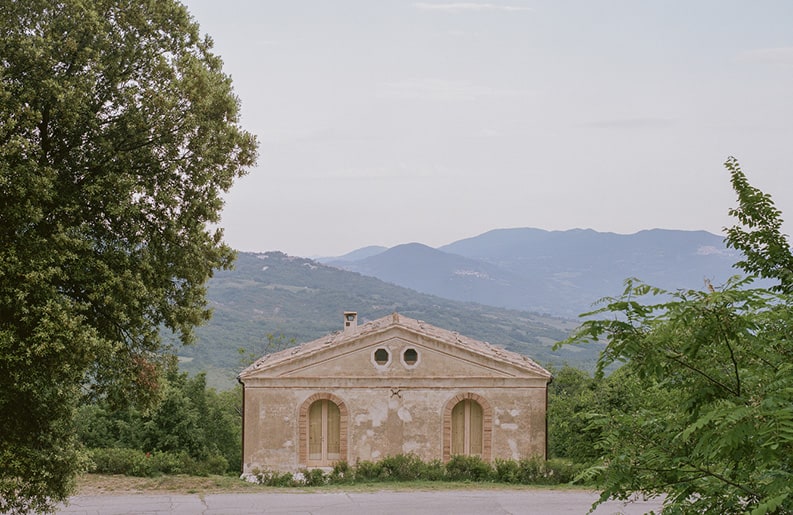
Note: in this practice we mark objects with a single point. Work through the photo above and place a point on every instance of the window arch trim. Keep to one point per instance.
(487, 424)
(304, 423)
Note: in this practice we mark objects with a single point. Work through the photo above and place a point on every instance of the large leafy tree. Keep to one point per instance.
(714, 426)
(190, 418)
(758, 233)
(119, 132)
(579, 405)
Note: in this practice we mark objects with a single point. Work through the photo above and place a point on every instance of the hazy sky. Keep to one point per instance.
(386, 121)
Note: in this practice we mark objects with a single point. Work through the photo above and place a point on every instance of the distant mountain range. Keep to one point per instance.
(521, 289)
(270, 301)
(556, 272)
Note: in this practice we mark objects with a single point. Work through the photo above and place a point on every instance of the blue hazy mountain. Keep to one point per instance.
(270, 301)
(557, 272)
(517, 288)
(357, 255)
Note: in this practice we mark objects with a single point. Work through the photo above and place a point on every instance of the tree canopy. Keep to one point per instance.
(713, 425)
(119, 133)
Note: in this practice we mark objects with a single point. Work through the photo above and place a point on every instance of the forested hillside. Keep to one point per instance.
(272, 300)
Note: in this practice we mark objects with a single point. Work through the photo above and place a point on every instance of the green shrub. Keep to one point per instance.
(507, 471)
(213, 464)
(468, 468)
(271, 478)
(531, 471)
(402, 467)
(434, 471)
(560, 470)
(169, 463)
(133, 462)
(130, 462)
(341, 473)
(313, 477)
(368, 471)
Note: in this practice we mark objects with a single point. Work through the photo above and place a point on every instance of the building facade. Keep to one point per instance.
(391, 386)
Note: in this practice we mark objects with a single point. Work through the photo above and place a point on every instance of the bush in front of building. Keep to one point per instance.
(409, 467)
(401, 467)
(468, 468)
(271, 478)
(561, 471)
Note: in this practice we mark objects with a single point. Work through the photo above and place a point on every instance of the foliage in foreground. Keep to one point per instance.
(408, 467)
(192, 430)
(193, 423)
(711, 425)
(577, 404)
(119, 133)
(134, 462)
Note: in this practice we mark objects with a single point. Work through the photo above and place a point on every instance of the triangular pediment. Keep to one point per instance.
(395, 347)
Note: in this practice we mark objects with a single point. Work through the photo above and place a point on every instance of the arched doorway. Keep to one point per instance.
(323, 431)
(324, 438)
(467, 427)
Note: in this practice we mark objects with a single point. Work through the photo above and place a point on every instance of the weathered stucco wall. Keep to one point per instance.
(389, 420)
(397, 406)
(433, 360)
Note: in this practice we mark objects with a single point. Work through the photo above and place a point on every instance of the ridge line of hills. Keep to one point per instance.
(521, 289)
(556, 272)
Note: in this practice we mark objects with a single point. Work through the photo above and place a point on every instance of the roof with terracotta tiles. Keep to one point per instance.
(395, 320)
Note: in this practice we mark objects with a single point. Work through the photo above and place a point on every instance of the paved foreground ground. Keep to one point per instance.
(340, 503)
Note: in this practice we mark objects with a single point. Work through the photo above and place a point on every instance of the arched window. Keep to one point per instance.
(324, 438)
(467, 427)
(323, 431)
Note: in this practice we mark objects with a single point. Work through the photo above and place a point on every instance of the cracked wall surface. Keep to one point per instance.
(391, 405)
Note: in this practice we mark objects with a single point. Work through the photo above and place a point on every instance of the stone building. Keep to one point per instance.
(391, 386)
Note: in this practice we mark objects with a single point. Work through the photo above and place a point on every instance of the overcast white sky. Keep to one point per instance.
(387, 122)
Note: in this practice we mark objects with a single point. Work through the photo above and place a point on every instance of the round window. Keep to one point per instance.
(410, 356)
(381, 356)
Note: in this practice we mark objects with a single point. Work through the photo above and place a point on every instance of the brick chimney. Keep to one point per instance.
(350, 322)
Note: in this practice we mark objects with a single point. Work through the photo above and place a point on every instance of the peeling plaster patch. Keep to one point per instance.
(514, 412)
(360, 419)
(288, 444)
(375, 455)
(369, 433)
(365, 451)
(513, 446)
(509, 427)
(378, 415)
(393, 403)
(404, 415)
(410, 446)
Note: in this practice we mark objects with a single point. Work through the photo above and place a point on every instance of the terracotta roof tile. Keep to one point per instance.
(395, 319)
